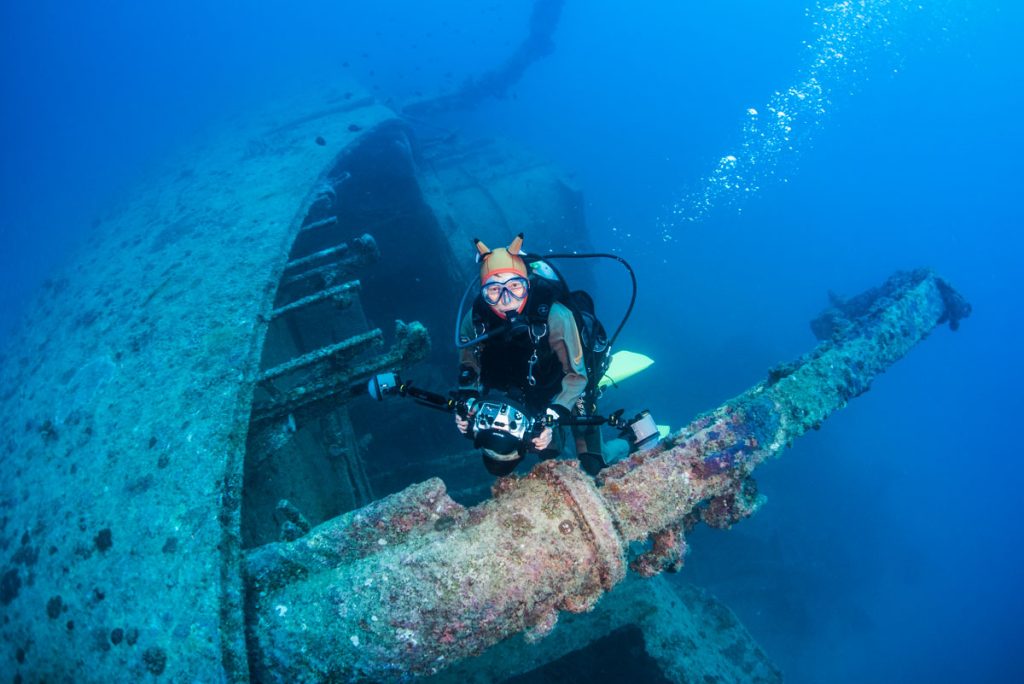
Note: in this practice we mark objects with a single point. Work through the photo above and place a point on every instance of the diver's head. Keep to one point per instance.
(504, 279)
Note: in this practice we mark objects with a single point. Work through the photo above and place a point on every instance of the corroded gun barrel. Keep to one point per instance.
(415, 581)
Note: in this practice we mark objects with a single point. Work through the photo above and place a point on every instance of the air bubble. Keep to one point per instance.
(770, 147)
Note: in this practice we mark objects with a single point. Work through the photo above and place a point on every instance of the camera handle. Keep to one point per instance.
(386, 384)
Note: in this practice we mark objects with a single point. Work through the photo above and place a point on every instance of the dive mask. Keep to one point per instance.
(515, 288)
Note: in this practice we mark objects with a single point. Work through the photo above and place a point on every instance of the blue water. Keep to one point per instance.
(890, 548)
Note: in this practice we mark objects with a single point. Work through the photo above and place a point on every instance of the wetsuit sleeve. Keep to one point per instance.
(468, 357)
(565, 342)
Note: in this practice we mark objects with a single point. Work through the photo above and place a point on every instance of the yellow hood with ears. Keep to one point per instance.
(502, 259)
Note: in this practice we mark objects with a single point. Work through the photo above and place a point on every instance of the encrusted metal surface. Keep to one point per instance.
(128, 393)
(428, 582)
(690, 636)
(552, 540)
(128, 390)
(126, 402)
(711, 459)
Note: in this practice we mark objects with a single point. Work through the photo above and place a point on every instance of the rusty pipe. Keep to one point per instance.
(453, 583)
(415, 581)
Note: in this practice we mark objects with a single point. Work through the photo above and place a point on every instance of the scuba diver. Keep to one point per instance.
(534, 359)
(521, 340)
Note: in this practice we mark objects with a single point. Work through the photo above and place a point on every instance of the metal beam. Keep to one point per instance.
(330, 380)
(322, 223)
(341, 351)
(362, 252)
(343, 295)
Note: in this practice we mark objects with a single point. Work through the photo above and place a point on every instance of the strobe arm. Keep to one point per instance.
(640, 430)
(385, 384)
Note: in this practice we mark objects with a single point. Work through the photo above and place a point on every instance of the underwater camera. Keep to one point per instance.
(503, 427)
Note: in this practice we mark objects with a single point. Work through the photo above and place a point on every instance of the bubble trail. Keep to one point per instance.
(847, 34)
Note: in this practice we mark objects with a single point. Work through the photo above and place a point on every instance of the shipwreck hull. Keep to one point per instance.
(152, 421)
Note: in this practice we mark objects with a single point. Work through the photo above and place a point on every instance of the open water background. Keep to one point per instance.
(891, 547)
